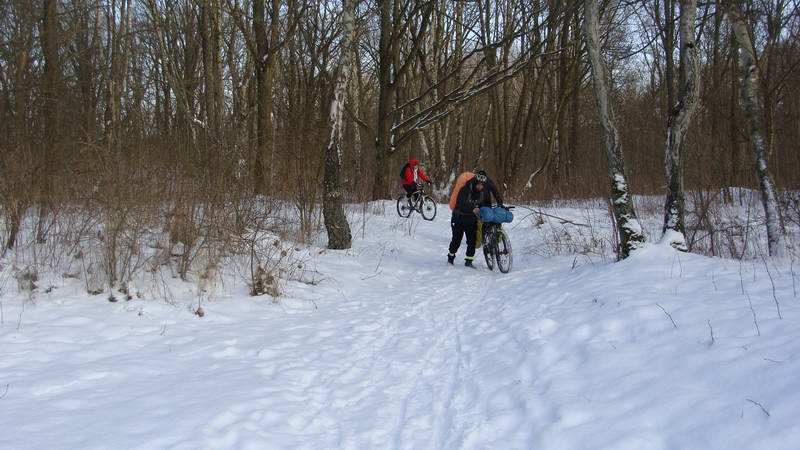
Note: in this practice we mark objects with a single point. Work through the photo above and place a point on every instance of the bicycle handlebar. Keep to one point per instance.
(504, 207)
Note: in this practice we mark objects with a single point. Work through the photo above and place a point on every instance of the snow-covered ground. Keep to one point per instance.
(393, 349)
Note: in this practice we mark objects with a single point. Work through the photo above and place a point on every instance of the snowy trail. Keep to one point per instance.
(403, 352)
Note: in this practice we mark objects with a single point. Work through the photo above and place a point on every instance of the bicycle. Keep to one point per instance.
(497, 246)
(419, 202)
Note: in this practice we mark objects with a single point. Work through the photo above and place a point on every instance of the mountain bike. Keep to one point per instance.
(419, 202)
(497, 246)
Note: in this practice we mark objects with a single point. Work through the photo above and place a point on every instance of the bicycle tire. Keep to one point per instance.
(488, 247)
(503, 252)
(427, 208)
(404, 209)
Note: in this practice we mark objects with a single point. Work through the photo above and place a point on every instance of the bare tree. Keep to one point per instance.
(680, 116)
(401, 21)
(339, 236)
(210, 11)
(52, 73)
(628, 227)
(750, 106)
(265, 45)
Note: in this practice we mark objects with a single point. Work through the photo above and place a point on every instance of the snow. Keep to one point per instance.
(674, 238)
(393, 349)
(620, 185)
(632, 225)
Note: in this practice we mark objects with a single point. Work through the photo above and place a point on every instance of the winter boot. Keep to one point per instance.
(450, 258)
(468, 263)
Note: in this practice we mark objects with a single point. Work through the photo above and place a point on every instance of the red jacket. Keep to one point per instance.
(408, 172)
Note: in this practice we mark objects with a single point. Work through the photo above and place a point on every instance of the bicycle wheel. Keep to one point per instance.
(488, 247)
(503, 252)
(404, 207)
(428, 208)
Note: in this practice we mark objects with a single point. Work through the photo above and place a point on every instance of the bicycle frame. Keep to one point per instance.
(416, 202)
(491, 232)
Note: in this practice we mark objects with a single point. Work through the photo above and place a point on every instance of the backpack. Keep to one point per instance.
(462, 180)
(403, 172)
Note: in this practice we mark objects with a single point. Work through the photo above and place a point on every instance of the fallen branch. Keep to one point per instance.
(711, 331)
(668, 315)
(561, 219)
(377, 272)
(759, 405)
(753, 312)
(774, 294)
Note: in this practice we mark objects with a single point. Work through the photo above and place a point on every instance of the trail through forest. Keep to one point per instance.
(392, 349)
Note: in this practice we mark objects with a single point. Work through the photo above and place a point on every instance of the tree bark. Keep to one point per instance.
(266, 62)
(52, 74)
(212, 71)
(392, 69)
(749, 102)
(677, 124)
(339, 236)
(383, 140)
(628, 227)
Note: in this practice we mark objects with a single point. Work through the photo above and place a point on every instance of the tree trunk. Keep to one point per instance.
(383, 141)
(628, 227)
(265, 64)
(52, 73)
(677, 123)
(749, 102)
(212, 71)
(339, 236)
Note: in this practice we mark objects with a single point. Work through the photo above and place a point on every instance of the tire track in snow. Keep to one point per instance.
(442, 420)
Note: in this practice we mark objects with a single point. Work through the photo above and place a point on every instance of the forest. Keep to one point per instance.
(200, 118)
(205, 242)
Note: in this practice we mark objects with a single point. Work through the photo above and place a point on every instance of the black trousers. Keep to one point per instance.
(410, 189)
(459, 230)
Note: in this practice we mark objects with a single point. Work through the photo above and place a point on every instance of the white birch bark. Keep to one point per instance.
(339, 235)
(678, 123)
(630, 231)
(749, 102)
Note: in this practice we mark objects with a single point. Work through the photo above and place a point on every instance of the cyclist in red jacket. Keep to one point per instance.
(411, 174)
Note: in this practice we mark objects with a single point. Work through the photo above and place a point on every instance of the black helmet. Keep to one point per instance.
(481, 177)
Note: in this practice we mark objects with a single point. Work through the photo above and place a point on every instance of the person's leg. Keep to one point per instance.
(415, 196)
(410, 189)
(455, 242)
(471, 232)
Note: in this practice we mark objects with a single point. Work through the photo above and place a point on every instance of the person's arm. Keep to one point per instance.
(496, 193)
(423, 176)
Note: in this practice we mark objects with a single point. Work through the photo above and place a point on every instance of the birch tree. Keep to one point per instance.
(749, 100)
(680, 116)
(628, 228)
(339, 236)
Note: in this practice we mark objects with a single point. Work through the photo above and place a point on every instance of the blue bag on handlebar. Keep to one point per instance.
(496, 215)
